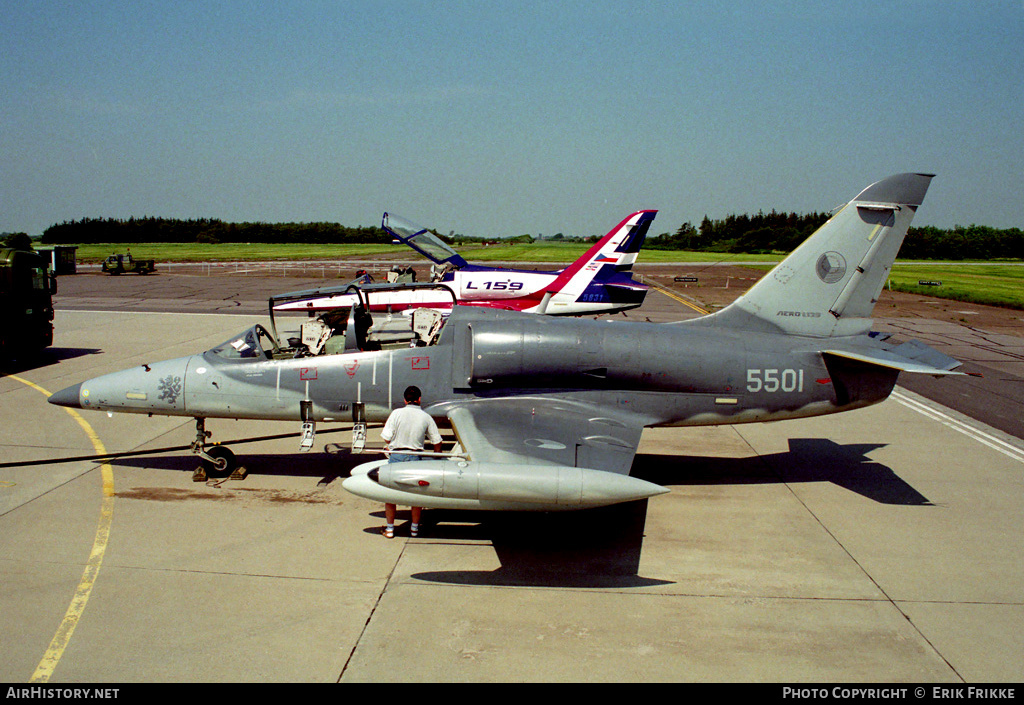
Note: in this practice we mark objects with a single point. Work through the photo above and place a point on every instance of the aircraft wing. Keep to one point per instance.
(543, 431)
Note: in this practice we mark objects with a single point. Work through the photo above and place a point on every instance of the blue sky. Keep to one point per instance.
(501, 118)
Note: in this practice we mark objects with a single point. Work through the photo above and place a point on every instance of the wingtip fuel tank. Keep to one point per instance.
(465, 484)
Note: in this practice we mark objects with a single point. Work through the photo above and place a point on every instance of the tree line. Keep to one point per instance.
(771, 232)
(971, 242)
(780, 233)
(761, 233)
(138, 230)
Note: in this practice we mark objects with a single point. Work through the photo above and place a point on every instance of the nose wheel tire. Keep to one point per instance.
(224, 461)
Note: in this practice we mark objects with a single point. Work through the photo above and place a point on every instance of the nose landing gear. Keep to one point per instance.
(215, 459)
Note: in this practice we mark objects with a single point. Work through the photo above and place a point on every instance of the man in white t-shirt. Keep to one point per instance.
(405, 430)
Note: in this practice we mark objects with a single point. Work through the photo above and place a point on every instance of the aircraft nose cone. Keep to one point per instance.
(67, 397)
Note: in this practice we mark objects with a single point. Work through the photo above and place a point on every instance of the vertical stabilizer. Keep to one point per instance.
(828, 286)
(617, 250)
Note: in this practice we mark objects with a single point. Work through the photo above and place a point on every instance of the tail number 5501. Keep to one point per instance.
(772, 380)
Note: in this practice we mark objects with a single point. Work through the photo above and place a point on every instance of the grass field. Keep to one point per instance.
(231, 252)
(547, 252)
(989, 283)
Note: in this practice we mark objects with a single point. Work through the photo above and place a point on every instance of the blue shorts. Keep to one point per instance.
(402, 458)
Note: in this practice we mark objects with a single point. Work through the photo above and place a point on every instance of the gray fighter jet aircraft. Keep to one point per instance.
(548, 412)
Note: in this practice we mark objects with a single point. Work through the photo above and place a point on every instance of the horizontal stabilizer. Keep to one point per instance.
(913, 356)
(628, 286)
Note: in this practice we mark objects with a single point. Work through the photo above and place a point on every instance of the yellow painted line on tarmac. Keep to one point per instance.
(99, 547)
(680, 299)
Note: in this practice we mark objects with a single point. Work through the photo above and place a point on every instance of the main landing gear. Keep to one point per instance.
(214, 459)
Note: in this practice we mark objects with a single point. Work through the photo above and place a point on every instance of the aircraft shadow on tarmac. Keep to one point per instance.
(808, 460)
(595, 548)
(600, 548)
(44, 358)
(316, 465)
(592, 548)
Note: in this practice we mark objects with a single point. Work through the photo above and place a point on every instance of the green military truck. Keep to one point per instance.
(26, 303)
(119, 264)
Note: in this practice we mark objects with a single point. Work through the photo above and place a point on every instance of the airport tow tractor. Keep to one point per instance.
(121, 263)
(363, 326)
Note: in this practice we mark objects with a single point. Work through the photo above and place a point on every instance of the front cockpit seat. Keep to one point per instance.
(359, 321)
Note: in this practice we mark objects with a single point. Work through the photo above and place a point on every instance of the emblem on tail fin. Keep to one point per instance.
(831, 267)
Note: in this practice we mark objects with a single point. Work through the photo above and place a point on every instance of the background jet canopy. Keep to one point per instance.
(422, 240)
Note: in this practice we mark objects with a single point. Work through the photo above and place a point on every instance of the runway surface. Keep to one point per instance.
(881, 545)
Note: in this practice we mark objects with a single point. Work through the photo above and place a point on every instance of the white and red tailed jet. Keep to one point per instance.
(598, 282)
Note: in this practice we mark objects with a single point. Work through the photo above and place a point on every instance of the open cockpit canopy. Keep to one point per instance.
(357, 325)
(253, 344)
(422, 240)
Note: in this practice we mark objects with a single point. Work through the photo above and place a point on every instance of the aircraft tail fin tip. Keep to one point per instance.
(905, 189)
